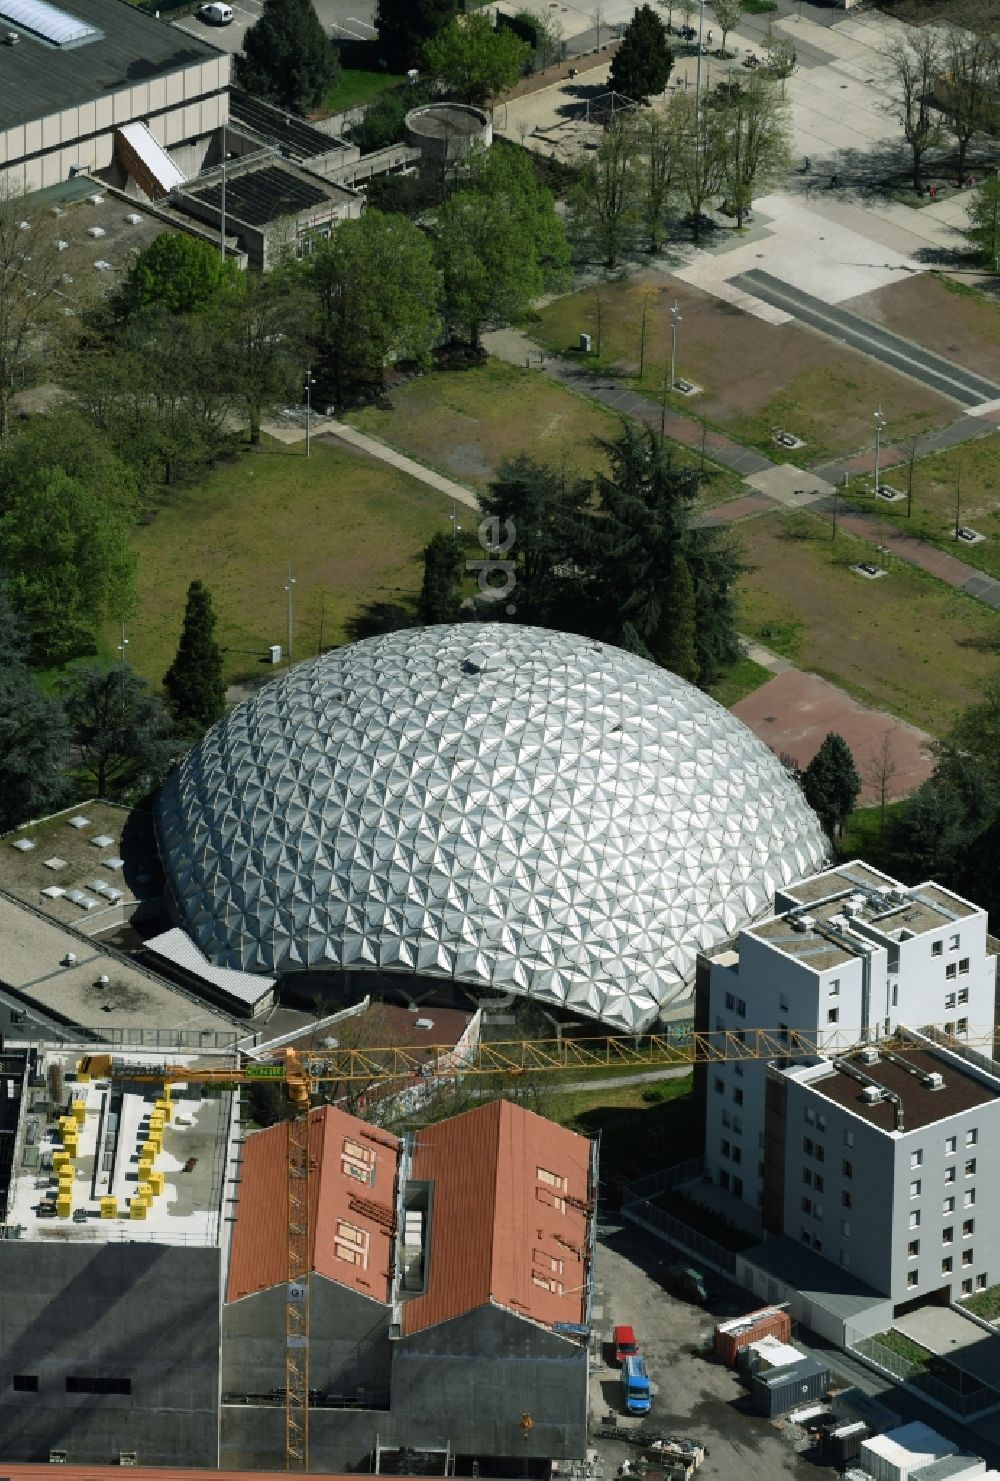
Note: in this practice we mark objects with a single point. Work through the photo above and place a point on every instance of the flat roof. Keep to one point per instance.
(176, 947)
(833, 881)
(922, 1105)
(292, 135)
(262, 194)
(37, 78)
(817, 1279)
(34, 949)
(816, 950)
(197, 1146)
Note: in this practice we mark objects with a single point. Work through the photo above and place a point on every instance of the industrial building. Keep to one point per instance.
(144, 1268)
(445, 810)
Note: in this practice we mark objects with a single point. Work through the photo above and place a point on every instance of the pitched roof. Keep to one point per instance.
(508, 1221)
(350, 1217)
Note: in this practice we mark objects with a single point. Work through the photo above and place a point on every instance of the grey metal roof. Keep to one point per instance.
(819, 1281)
(505, 806)
(261, 195)
(950, 1467)
(291, 135)
(790, 1373)
(37, 79)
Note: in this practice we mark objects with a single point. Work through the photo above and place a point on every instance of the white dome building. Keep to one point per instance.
(498, 806)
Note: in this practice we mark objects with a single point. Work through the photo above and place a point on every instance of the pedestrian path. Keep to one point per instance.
(917, 552)
(385, 454)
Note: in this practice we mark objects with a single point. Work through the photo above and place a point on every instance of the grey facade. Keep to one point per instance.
(140, 1315)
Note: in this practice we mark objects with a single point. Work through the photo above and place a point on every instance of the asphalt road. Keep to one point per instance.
(341, 19)
(934, 371)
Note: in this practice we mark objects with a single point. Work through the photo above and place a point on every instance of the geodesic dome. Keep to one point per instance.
(504, 806)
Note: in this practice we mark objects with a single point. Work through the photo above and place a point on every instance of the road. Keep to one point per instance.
(341, 19)
(934, 371)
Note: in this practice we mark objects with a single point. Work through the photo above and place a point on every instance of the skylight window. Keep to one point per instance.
(48, 22)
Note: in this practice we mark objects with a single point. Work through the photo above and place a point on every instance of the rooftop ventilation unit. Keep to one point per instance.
(803, 923)
(425, 1023)
(96, 231)
(871, 1094)
(933, 1081)
(96, 199)
(868, 1055)
(102, 266)
(69, 960)
(133, 218)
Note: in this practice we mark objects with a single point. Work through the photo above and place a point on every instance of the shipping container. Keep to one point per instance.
(841, 1445)
(766, 1321)
(781, 1390)
(894, 1455)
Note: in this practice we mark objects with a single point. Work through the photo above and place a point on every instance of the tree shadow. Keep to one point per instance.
(375, 618)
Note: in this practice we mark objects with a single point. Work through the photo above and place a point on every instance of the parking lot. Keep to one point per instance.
(692, 1395)
(341, 19)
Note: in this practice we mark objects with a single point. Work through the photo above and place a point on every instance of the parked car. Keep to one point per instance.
(687, 1281)
(216, 13)
(625, 1344)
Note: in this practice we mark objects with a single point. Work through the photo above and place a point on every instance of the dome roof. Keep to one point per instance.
(504, 806)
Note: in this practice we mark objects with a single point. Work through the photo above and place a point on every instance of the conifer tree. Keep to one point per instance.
(194, 680)
(440, 599)
(831, 783)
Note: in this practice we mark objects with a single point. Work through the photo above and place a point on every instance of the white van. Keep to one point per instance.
(216, 13)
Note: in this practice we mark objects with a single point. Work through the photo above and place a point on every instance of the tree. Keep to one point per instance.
(754, 141)
(673, 643)
(121, 731)
(914, 65)
(378, 290)
(404, 26)
(178, 274)
(34, 737)
(194, 680)
(728, 14)
(605, 201)
(657, 155)
(473, 61)
(831, 783)
(31, 272)
(263, 335)
(782, 60)
(642, 63)
(881, 770)
(967, 90)
(531, 511)
(700, 155)
(65, 442)
(499, 244)
(287, 56)
(68, 563)
(440, 595)
(984, 222)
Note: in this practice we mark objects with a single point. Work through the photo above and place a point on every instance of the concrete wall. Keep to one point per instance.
(349, 1346)
(134, 1310)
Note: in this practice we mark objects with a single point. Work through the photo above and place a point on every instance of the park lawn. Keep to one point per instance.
(755, 376)
(738, 681)
(865, 837)
(973, 470)
(637, 1136)
(356, 86)
(905, 642)
(465, 422)
(352, 528)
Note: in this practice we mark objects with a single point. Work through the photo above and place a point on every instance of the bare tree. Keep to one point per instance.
(32, 265)
(658, 161)
(700, 158)
(881, 769)
(914, 66)
(728, 14)
(606, 198)
(782, 60)
(967, 89)
(687, 10)
(754, 141)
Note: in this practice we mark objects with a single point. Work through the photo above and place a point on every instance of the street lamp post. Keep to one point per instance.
(288, 588)
(879, 424)
(958, 500)
(121, 649)
(668, 385)
(310, 382)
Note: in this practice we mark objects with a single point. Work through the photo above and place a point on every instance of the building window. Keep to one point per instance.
(351, 1244)
(820, 1152)
(967, 1257)
(948, 1207)
(913, 1249)
(954, 942)
(737, 1153)
(807, 1145)
(949, 1028)
(810, 1116)
(832, 1015)
(937, 948)
(895, 1001)
(916, 1158)
(552, 1179)
(819, 1182)
(783, 1002)
(963, 967)
(741, 1007)
(737, 1096)
(946, 1266)
(847, 1168)
(718, 1086)
(547, 1283)
(551, 1199)
(738, 1069)
(963, 995)
(738, 1187)
(738, 1125)
(949, 1174)
(971, 1137)
(24, 1383)
(970, 1198)
(968, 1228)
(970, 1167)
(845, 1259)
(947, 1235)
(963, 1025)
(357, 1161)
(807, 1176)
(915, 1188)
(731, 1001)
(845, 1200)
(848, 1138)
(834, 988)
(950, 973)
(818, 1211)
(915, 1219)
(724, 1181)
(913, 1278)
(817, 1244)
(980, 1282)
(807, 1206)
(949, 1001)
(966, 1288)
(950, 1144)
(845, 1228)
(805, 1236)
(727, 1120)
(86, 1385)
(724, 1147)
(548, 1263)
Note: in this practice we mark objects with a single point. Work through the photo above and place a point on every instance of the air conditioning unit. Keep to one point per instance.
(96, 231)
(96, 199)
(57, 1457)
(933, 1081)
(133, 218)
(868, 1055)
(871, 1095)
(803, 923)
(128, 1457)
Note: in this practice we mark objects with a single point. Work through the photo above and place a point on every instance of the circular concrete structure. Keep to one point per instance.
(447, 131)
(485, 804)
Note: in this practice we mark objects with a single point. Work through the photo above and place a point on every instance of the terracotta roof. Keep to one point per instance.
(508, 1210)
(345, 1211)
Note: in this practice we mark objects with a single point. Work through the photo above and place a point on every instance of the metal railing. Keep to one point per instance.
(688, 1240)
(971, 1396)
(660, 1182)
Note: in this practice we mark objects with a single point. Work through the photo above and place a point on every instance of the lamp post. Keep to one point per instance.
(456, 528)
(310, 382)
(121, 649)
(288, 588)
(958, 501)
(668, 385)
(879, 424)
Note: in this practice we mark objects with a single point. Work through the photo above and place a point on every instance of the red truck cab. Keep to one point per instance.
(625, 1344)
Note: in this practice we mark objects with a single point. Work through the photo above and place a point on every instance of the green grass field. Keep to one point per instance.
(638, 1135)
(352, 528)
(905, 642)
(742, 679)
(465, 422)
(357, 86)
(964, 480)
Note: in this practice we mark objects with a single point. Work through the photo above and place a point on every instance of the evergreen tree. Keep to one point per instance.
(533, 509)
(673, 643)
(405, 25)
(34, 737)
(831, 783)
(287, 56)
(440, 598)
(643, 61)
(194, 680)
(121, 731)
